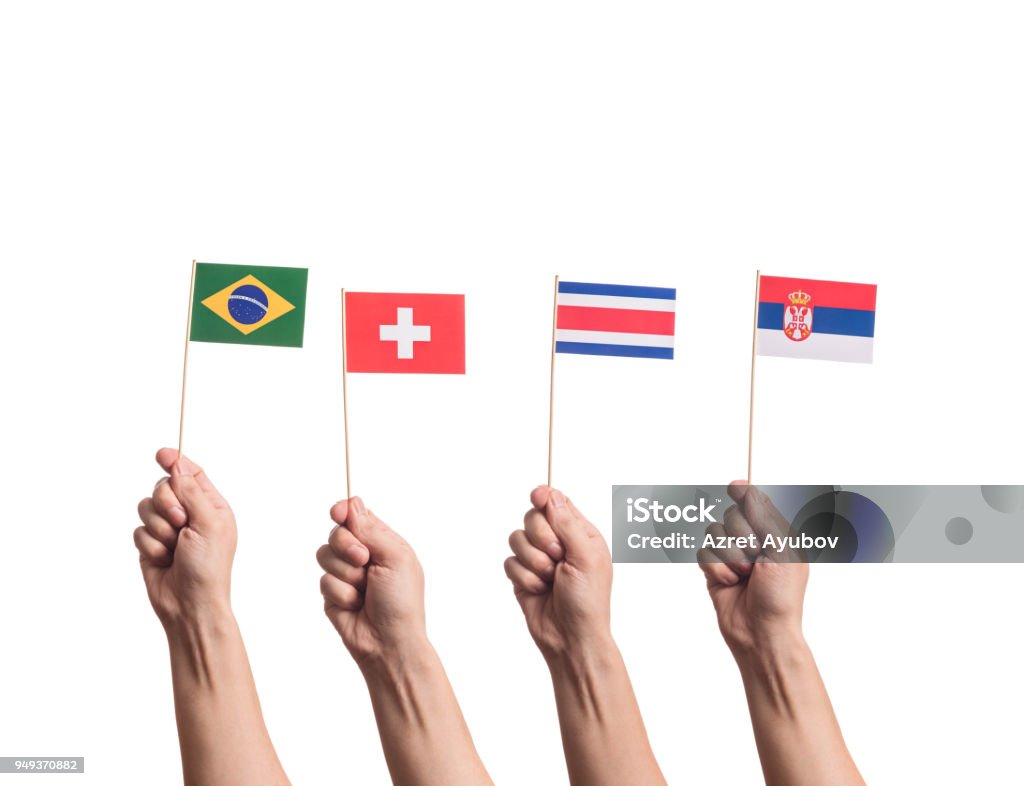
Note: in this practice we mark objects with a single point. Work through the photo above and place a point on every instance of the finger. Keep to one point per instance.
(167, 458)
(737, 526)
(156, 525)
(540, 534)
(737, 490)
(539, 497)
(336, 566)
(150, 549)
(574, 531)
(339, 593)
(533, 558)
(716, 571)
(729, 554)
(384, 544)
(167, 504)
(523, 578)
(347, 547)
(339, 511)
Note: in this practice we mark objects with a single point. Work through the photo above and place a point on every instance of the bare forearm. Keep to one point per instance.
(603, 732)
(798, 736)
(424, 736)
(224, 740)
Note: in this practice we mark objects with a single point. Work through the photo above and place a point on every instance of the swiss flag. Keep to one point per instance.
(390, 333)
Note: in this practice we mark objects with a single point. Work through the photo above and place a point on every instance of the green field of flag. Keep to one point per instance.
(248, 304)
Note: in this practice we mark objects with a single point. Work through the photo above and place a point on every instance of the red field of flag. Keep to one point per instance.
(393, 333)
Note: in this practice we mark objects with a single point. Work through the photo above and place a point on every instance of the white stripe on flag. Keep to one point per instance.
(818, 346)
(623, 339)
(613, 301)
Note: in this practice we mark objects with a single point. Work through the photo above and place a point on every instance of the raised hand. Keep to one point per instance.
(186, 546)
(373, 595)
(755, 596)
(372, 584)
(186, 542)
(561, 571)
(759, 603)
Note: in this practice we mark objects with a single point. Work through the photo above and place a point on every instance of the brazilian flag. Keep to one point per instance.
(246, 304)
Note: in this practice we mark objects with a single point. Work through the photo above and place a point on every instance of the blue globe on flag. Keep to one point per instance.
(248, 304)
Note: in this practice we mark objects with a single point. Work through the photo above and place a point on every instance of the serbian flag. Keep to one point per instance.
(821, 320)
(610, 319)
(392, 333)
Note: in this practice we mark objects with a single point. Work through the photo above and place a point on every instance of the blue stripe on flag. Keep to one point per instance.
(618, 290)
(837, 321)
(618, 350)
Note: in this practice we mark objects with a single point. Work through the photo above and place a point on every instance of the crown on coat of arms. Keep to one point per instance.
(799, 298)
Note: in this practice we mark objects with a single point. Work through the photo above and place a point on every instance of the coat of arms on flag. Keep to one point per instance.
(394, 333)
(823, 320)
(612, 319)
(798, 316)
(246, 304)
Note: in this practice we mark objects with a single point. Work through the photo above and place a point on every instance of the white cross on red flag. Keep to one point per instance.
(392, 333)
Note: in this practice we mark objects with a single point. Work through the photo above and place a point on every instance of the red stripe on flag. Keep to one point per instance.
(829, 294)
(616, 320)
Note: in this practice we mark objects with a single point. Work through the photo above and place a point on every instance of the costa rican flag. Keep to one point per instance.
(821, 320)
(610, 319)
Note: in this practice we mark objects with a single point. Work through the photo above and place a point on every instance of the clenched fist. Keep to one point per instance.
(757, 599)
(372, 585)
(186, 542)
(561, 572)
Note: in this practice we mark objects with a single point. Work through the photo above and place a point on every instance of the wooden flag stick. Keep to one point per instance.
(344, 394)
(184, 365)
(753, 368)
(551, 390)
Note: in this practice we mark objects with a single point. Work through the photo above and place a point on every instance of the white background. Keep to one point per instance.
(480, 148)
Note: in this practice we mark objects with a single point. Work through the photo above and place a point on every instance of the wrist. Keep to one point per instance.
(771, 652)
(409, 655)
(591, 683)
(210, 616)
(591, 654)
(198, 643)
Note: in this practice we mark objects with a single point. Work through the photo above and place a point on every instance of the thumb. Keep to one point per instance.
(570, 526)
(763, 516)
(199, 504)
(385, 545)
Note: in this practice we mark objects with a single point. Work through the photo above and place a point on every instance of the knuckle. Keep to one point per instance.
(536, 522)
(164, 497)
(336, 540)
